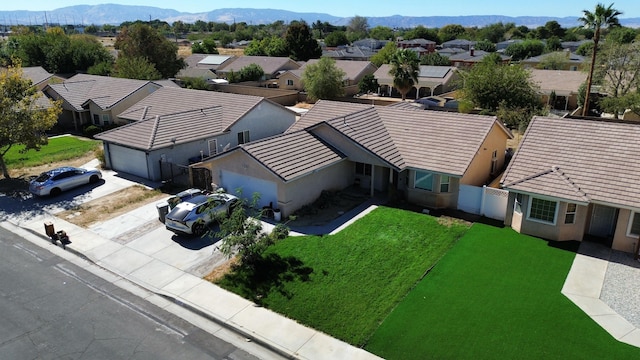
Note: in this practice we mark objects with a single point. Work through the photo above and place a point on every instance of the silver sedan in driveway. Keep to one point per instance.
(55, 181)
(192, 216)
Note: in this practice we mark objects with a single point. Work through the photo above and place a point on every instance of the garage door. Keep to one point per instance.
(128, 160)
(267, 189)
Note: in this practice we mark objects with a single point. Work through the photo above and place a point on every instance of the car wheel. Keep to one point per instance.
(55, 192)
(198, 229)
(93, 179)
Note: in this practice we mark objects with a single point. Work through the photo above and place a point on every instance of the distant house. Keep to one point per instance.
(459, 43)
(472, 57)
(577, 179)
(173, 125)
(372, 44)
(574, 62)
(432, 80)
(559, 88)
(354, 72)
(40, 77)
(572, 46)
(96, 100)
(419, 155)
(422, 45)
(450, 51)
(501, 46)
(271, 65)
(357, 53)
(204, 66)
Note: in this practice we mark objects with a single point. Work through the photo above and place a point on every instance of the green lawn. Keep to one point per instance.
(495, 295)
(346, 284)
(58, 149)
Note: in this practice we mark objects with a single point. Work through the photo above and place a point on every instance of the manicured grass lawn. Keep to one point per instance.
(495, 295)
(58, 149)
(346, 284)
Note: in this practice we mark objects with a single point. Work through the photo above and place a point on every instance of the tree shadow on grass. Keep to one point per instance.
(271, 272)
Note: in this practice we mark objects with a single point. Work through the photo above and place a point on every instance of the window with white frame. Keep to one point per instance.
(445, 181)
(543, 210)
(213, 147)
(289, 82)
(423, 180)
(494, 162)
(243, 137)
(570, 214)
(363, 169)
(634, 225)
(517, 205)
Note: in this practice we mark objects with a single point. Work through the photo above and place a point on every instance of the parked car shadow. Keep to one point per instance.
(193, 242)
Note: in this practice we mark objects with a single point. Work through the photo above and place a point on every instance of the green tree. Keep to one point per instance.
(302, 46)
(336, 38)
(525, 49)
(434, 59)
(421, 32)
(618, 73)
(554, 61)
(553, 44)
(251, 72)
(255, 48)
(142, 41)
(601, 18)
(368, 84)
(493, 33)
(208, 45)
(405, 67)
(195, 83)
(485, 45)
(22, 122)
(358, 28)
(489, 85)
(91, 29)
(323, 79)
(381, 33)
(585, 49)
(450, 32)
(135, 68)
(621, 35)
(384, 55)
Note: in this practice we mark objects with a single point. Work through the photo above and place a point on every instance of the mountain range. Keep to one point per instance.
(117, 14)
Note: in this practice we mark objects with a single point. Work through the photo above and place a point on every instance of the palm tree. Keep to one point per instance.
(601, 18)
(405, 67)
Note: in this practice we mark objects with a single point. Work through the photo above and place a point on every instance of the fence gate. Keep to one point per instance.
(201, 178)
(485, 201)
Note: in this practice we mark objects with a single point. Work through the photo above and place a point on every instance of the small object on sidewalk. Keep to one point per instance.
(56, 236)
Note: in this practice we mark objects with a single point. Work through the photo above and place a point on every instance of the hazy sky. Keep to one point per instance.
(347, 8)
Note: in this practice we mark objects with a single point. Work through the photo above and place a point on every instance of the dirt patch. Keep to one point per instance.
(220, 271)
(112, 205)
(329, 206)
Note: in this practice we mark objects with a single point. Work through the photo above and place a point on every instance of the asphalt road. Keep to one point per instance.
(52, 309)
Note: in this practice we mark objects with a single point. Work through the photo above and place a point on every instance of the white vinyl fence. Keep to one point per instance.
(484, 201)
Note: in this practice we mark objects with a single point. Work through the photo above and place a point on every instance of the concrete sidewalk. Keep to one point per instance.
(278, 333)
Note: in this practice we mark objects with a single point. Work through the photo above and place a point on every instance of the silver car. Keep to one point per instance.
(194, 215)
(55, 181)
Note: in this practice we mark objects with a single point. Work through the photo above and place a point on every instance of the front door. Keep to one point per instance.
(603, 219)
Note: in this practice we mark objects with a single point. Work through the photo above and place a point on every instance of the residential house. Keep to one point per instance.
(419, 155)
(559, 88)
(173, 127)
(472, 57)
(502, 45)
(574, 62)
(91, 99)
(459, 43)
(450, 51)
(271, 65)
(372, 44)
(421, 46)
(204, 66)
(354, 72)
(347, 52)
(40, 77)
(572, 46)
(432, 80)
(576, 179)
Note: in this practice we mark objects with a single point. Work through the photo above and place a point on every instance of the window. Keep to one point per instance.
(105, 119)
(445, 180)
(570, 214)
(289, 82)
(494, 162)
(243, 137)
(543, 210)
(213, 147)
(517, 205)
(424, 180)
(96, 119)
(634, 224)
(363, 169)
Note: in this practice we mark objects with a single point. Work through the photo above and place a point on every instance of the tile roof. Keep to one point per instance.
(477, 56)
(578, 160)
(293, 154)
(104, 91)
(428, 76)
(167, 130)
(352, 68)
(563, 82)
(433, 140)
(269, 64)
(37, 74)
(167, 100)
(571, 57)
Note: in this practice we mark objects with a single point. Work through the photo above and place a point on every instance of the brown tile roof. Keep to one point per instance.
(353, 68)
(293, 154)
(431, 140)
(429, 75)
(104, 91)
(161, 131)
(166, 101)
(578, 160)
(37, 74)
(563, 82)
(269, 64)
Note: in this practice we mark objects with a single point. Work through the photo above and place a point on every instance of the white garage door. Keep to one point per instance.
(267, 189)
(128, 160)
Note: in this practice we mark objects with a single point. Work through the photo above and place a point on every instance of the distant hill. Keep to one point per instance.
(117, 14)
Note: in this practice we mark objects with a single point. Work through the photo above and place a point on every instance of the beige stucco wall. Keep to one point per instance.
(433, 199)
(558, 232)
(621, 241)
(282, 82)
(479, 171)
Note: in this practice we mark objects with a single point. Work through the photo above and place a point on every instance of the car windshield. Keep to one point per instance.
(43, 177)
